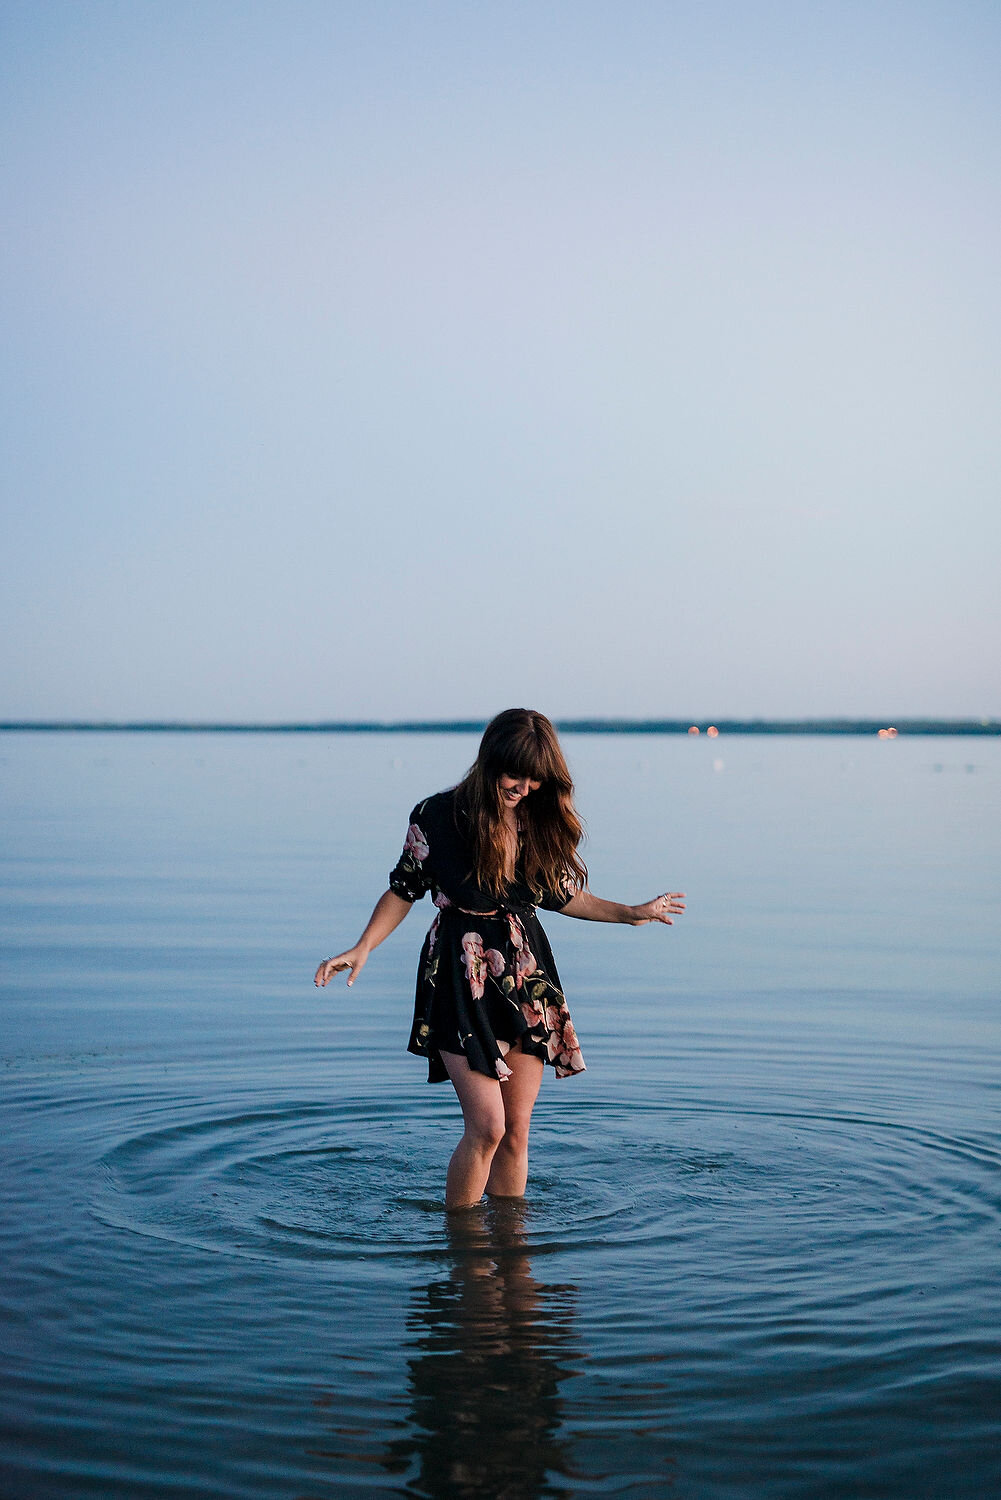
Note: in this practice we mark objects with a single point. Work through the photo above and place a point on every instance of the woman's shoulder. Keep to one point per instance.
(437, 810)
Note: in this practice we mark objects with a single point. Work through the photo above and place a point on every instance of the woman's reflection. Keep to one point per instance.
(491, 1350)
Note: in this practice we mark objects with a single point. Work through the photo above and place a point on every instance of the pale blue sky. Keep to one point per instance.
(379, 359)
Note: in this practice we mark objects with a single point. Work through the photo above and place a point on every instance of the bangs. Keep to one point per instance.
(527, 760)
(522, 755)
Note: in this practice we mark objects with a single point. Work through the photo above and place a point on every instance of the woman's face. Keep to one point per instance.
(514, 789)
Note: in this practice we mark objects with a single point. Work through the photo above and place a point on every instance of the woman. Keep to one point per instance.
(490, 1011)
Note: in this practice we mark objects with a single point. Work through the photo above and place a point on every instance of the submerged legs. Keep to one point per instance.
(509, 1168)
(493, 1152)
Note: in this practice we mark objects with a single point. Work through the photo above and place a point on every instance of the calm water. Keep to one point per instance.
(759, 1254)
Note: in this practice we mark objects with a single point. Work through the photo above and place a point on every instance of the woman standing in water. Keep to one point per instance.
(490, 1011)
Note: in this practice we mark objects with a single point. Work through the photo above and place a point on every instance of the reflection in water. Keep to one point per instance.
(491, 1349)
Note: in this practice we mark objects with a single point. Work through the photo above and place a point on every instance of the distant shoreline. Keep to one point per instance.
(856, 727)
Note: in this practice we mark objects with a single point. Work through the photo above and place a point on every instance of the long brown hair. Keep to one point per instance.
(521, 742)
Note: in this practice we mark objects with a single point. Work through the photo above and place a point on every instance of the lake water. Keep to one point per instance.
(759, 1254)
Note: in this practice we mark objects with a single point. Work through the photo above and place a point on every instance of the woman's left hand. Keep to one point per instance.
(661, 909)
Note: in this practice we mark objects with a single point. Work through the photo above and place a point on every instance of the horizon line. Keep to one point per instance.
(590, 725)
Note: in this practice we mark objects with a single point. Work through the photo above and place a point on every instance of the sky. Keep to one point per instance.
(369, 359)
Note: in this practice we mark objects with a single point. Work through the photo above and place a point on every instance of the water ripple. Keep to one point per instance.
(361, 1178)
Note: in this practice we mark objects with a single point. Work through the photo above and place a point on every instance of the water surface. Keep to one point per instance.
(759, 1251)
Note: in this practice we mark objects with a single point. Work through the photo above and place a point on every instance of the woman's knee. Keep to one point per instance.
(515, 1137)
(486, 1129)
(485, 1136)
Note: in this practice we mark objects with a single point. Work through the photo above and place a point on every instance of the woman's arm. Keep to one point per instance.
(389, 912)
(592, 908)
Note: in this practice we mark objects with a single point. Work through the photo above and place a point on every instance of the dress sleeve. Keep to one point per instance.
(556, 900)
(411, 877)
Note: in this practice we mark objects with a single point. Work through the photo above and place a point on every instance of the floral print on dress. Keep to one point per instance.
(478, 961)
(417, 844)
(549, 1022)
(443, 903)
(410, 880)
(562, 1044)
(533, 1004)
(525, 963)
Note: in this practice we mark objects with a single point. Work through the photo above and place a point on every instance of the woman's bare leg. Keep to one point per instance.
(509, 1168)
(484, 1121)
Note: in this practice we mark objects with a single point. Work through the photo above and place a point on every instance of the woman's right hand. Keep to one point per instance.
(389, 912)
(354, 959)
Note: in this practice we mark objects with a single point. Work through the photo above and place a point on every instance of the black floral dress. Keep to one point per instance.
(487, 976)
